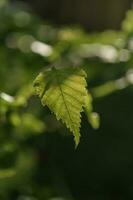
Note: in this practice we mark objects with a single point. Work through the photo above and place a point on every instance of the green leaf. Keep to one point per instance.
(93, 117)
(63, 91)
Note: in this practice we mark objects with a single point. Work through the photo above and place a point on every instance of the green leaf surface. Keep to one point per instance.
(63, 91)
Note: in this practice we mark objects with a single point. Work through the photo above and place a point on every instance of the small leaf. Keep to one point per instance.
(93, 117)
(64, 92)
(94, 120)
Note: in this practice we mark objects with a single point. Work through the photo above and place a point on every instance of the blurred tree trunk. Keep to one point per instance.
(91, 14)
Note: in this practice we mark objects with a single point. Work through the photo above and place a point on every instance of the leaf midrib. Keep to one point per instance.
(59, 85)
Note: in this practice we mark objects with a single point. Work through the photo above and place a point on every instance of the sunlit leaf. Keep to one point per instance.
(63, 91)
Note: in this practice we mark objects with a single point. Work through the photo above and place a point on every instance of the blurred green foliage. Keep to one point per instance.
(37, 160)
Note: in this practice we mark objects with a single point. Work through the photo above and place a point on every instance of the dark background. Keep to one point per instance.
(91, 14)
